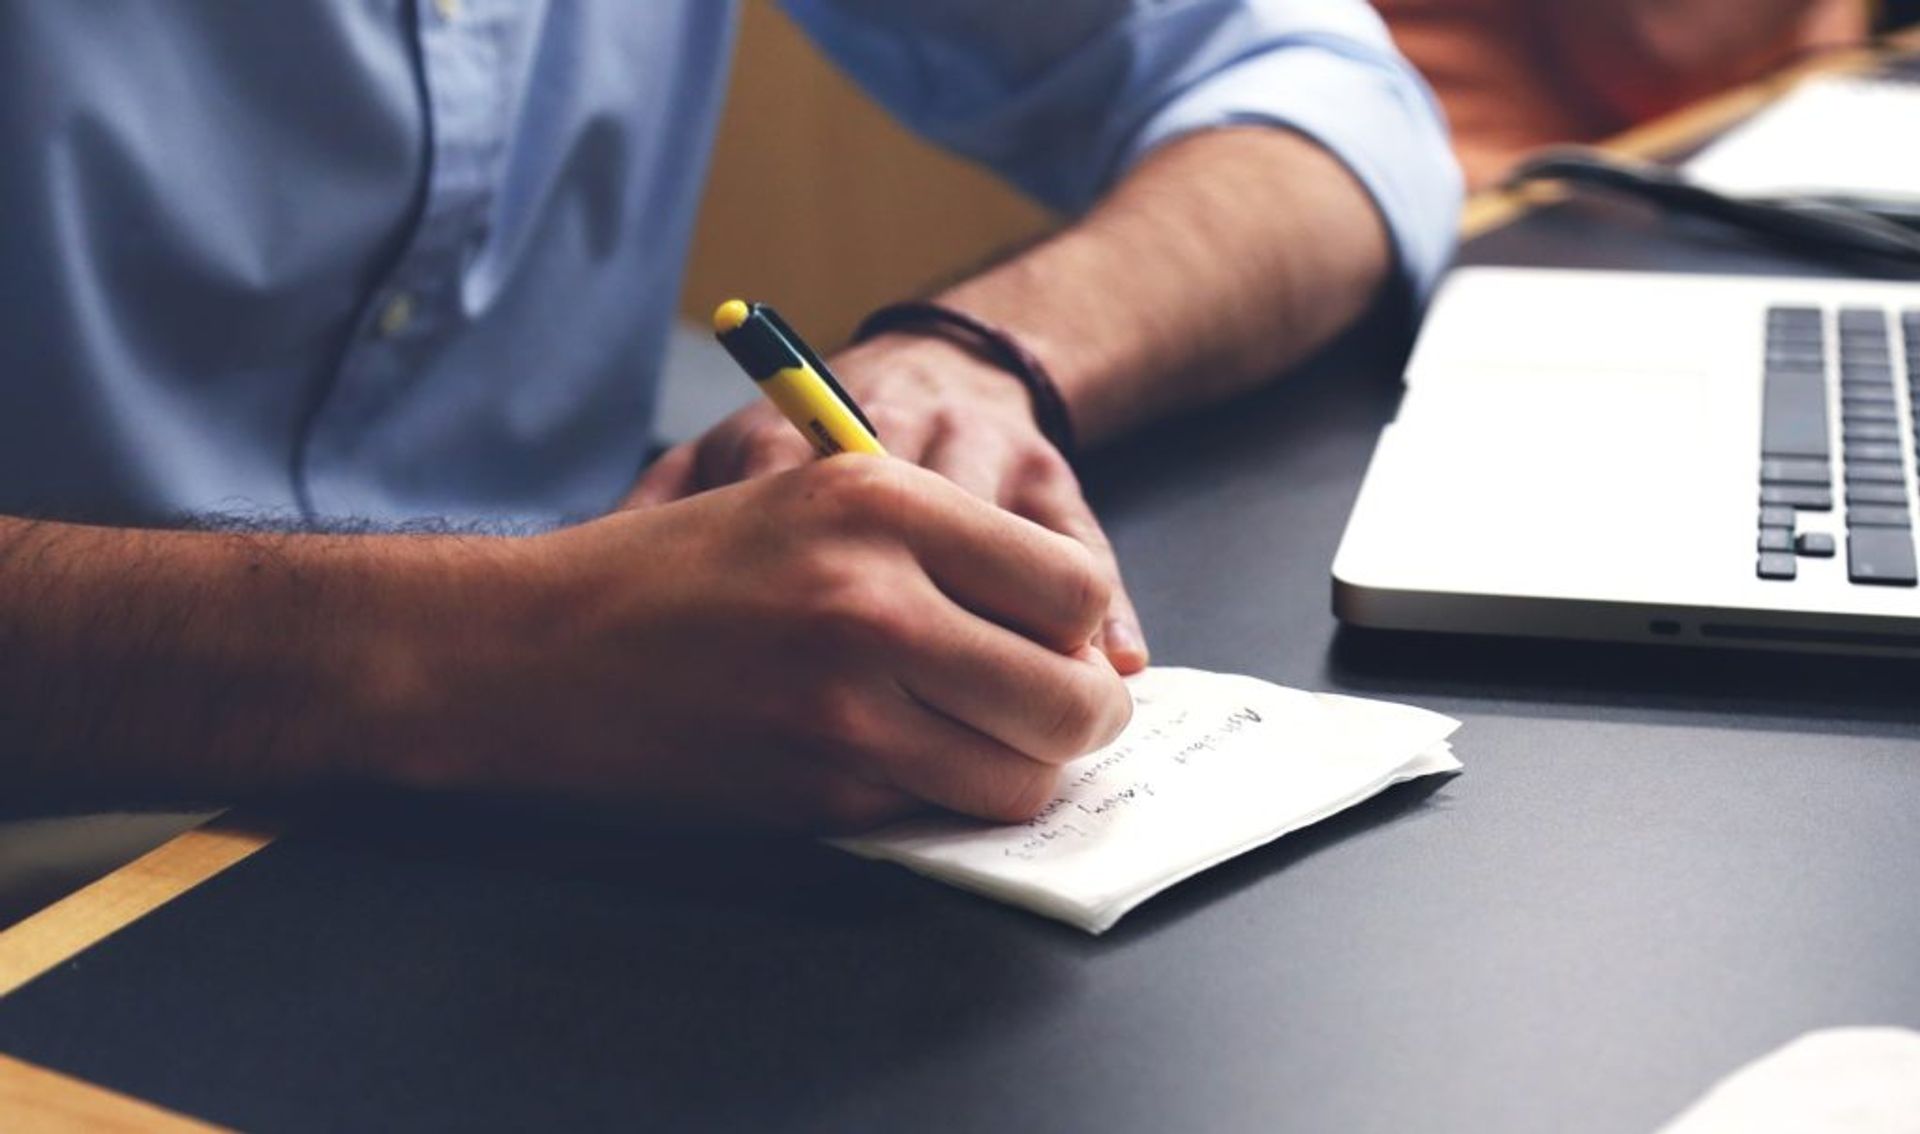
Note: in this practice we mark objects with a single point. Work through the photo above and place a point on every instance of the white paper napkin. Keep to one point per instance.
(1211, 766)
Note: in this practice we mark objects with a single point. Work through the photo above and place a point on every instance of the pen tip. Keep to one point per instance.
(729, 315)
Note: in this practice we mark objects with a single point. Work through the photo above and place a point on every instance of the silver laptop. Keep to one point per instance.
(1711, 460)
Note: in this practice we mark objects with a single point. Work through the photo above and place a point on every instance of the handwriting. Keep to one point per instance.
(1162, 741)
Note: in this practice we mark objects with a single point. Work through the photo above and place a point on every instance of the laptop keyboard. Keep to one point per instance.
(1805, 349)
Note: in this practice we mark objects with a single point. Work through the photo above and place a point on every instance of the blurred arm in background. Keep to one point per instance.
(1516, 75)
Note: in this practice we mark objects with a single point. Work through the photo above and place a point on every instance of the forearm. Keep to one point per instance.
(180, 665)
(1218, 262)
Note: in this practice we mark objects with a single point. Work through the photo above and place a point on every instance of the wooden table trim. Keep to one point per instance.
(90, 915)
(34, 1098)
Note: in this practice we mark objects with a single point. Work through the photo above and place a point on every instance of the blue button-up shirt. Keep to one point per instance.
(390, 259)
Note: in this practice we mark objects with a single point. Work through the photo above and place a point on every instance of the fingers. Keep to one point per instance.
(759, 442)
(1048, 707)
(992, 562)
(753, 443)
(929, 755)
(1044, 490)
(904, 433)
(669, 478)
(1052, 498)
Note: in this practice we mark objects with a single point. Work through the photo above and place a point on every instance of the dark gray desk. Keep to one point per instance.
(1656, 867)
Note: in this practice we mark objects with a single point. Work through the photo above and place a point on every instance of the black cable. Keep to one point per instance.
(1818, 225)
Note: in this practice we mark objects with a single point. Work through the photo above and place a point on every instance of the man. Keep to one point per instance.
(352, 268)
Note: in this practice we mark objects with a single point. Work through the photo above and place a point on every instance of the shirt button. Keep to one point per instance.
(448, 9)
(395, 316)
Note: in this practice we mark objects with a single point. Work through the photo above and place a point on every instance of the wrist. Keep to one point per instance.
(986, 343)
(916, 387)
(431, 662)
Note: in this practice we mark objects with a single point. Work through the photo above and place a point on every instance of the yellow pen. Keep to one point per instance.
(794, 379)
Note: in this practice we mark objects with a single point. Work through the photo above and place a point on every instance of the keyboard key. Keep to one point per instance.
(1778, 565)
(1855, 431)
(1873, 451)
(1867, 398)
(1860, 494)
(1776, 539)
(1869, 411)
(1794, 470)
(1882, 556)
(1878, 516)
(1794, 417)
(1776, 518)
(1875, 472)
(1808, 354)
(1814, 545)
(1859, 319)
(1809, 497)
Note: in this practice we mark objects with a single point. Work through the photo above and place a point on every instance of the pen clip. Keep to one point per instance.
(799, 347)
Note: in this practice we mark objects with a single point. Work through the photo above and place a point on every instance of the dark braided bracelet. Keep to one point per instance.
(990, 344)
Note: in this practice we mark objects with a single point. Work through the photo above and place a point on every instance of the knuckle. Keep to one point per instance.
(1088, 588)
(1019, 794)
(859, 490)
(888, 417)
(762, 436)
(837, 719)
(1076, 725)
(854, 609)
(1041, 463)
(946, 420)
(1119, 715)
(766, 447)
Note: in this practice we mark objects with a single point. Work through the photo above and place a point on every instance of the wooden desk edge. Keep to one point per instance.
(34, 1098)
(89, 916)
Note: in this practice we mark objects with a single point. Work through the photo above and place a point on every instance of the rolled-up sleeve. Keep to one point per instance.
(1063, 96)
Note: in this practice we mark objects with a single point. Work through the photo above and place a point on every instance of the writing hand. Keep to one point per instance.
(937, 406)
(826, 647)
